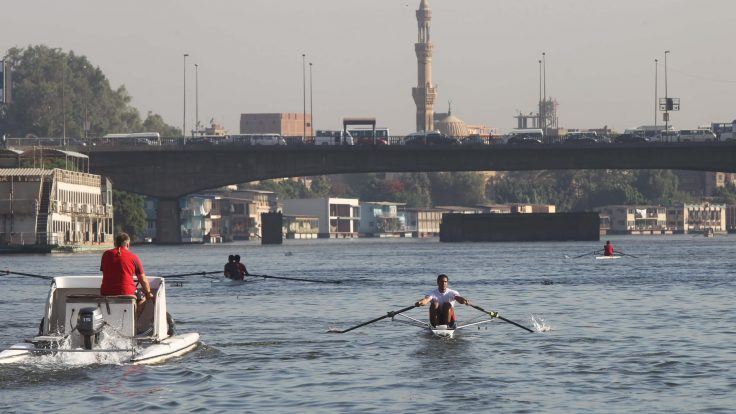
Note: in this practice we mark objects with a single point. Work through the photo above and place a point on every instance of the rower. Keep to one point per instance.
(608, 248)
(442, 309)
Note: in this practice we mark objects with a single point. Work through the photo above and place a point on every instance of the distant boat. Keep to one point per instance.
(709, 232)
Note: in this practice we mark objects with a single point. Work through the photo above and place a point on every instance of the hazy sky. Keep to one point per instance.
(600, 56)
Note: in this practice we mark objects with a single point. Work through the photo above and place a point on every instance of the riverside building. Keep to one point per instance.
(45, 210)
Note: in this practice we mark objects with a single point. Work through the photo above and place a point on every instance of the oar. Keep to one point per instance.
(626, 254)
(8, 272)
(192, 274)
(496, 315)
(585, 254)
(387, 315)
(337, 282)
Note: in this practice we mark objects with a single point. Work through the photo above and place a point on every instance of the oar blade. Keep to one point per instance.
(494, 314)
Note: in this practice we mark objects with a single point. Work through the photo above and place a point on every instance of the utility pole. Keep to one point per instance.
(196, 98)
(656, 63)
(311, 107)
(304, 92)
(666, 95)
(184, 122)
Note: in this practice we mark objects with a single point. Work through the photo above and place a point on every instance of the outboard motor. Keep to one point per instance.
(89, 325)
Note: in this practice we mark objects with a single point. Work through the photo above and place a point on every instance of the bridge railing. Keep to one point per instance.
(79, 144)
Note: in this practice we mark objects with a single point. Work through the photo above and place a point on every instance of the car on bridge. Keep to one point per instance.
(583, 138)
(370, 136)
(523, 139)
(431, 138)
(327, 137)
(630, 138)
(475, 139)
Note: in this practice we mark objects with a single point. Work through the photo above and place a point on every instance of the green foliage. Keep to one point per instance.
(657, 185)
(54, 93)
(321, 186)
(155, 123)
(583, 190)
(417, 190)
(725, 194)
(457, 188)
(50, 163)
(129, 214)
(285, 189)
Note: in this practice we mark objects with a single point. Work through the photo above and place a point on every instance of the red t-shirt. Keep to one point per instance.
(608, 250)
(117, 272)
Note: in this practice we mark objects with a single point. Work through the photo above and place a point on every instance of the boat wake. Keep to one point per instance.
(108, 341)
(540, 325)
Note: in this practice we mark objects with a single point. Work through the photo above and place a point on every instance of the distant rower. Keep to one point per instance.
(608, 249)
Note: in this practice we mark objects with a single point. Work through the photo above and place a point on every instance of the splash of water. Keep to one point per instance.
(108, 340)
(540, 325)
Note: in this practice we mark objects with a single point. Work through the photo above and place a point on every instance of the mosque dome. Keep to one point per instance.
(451, 125)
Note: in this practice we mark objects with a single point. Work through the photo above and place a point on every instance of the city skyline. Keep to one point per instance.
(600, 57)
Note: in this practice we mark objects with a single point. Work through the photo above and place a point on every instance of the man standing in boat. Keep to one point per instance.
(118, 267)
(608, 249)
(442, 299)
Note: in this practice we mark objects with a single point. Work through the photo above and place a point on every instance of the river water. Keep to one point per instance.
(650, 334)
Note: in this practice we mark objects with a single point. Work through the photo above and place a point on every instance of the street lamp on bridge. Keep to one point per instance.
(196, 98)
(311, 108)
(304, 92)
(184, 122)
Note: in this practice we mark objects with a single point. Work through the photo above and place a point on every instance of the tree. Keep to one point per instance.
(129, 214)
(155, 123)
(284, 189)
(417, 190)
(57, 93)
(657, 185)
(321, 186)
(457, 188)
(725, 194)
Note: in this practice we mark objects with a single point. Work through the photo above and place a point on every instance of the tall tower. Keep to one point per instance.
(424, 94)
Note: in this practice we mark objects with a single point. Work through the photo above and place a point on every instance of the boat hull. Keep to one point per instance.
(168, 348)
(16, 353)
(154, 353)
(443, 331)
(607, 257)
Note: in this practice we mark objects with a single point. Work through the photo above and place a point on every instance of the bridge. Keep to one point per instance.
(170, 172)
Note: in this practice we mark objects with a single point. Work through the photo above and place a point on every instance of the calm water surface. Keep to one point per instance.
(651, 334)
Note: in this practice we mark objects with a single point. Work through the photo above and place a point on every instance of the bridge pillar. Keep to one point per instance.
(168, 226)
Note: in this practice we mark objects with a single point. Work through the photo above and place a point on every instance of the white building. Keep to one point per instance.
(624, 219)
(338, 217)
(698, 218)
(55, 209)
(381, 219)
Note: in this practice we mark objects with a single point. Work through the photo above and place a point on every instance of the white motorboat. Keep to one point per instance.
(78, 319)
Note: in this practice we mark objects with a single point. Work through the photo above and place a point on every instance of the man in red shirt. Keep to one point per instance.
(608, 249)
(118, 267)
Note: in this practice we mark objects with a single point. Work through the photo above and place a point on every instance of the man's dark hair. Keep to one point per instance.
(121, 239)
(441, 276)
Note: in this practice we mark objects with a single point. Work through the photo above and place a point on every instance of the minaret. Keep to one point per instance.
(424, 94)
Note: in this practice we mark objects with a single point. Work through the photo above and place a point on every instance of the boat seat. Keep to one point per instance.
(99, 298)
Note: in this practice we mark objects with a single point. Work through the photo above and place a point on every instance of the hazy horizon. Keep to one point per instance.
(599, 57)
